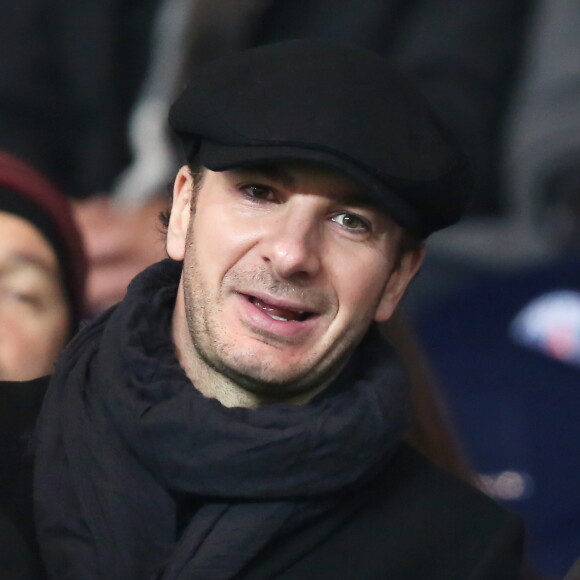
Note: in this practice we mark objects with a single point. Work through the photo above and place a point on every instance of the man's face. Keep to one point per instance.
(285, 268)
(34, 319)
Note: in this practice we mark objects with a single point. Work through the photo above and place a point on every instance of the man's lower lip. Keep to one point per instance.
(272, 324)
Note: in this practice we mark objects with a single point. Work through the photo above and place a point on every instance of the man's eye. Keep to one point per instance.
(258, 192)
(351, 222)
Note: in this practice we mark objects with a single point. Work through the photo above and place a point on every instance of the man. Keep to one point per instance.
(237, 416)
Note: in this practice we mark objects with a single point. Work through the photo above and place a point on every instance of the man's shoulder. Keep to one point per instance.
(419, 517)
(411, 477)
(412, 521)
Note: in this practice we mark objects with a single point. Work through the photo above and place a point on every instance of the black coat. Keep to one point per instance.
(416, 523)
(413, 521)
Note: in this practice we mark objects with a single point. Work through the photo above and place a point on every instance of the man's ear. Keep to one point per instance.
(180, 214)
(398, 282)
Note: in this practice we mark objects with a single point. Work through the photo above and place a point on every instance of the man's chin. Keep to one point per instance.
(277, 382)
(261, 380)
(269, 372)
(269, 381)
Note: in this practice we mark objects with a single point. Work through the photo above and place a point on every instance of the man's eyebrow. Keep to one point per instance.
(279, 174)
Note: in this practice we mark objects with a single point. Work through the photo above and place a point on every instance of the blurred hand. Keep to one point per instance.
(120, 242)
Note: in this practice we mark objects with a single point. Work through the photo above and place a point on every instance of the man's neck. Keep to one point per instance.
(214, 385)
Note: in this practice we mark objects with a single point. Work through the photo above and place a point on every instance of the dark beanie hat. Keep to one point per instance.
(330, 103)
(28, 194)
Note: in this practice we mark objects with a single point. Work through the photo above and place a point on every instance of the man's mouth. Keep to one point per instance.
(281, 314)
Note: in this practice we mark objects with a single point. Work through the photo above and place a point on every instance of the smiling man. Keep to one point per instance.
(273, 302)
(237, 415)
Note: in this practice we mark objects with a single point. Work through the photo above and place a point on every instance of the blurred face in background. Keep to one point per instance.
(34, 317)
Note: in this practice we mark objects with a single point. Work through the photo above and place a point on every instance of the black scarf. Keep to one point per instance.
(126, 448)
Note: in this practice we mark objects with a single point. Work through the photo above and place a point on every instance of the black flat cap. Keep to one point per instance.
(330, 103)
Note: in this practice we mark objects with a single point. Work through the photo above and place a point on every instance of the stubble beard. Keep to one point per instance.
(242, 368)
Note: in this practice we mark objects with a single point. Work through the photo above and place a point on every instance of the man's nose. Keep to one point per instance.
(293, 245)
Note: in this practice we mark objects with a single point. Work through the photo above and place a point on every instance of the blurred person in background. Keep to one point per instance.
(542, 140)
(86, 99)
(42, 271)
(42, 277)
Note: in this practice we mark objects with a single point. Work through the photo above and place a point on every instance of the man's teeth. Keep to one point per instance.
(279, 314)
(277, 317)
